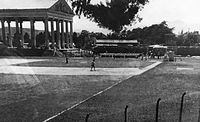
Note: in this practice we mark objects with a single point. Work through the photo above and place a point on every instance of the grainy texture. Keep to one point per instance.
(37, 97)
(140, 93)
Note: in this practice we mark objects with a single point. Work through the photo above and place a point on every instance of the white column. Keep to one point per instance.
(58, 34)
(3, 31)
(21, 32)
(52, 33)
(9, 34)
(71, 34)
(62, 35)
(46, 28)
(17, 26)
(33, 40)
(67, 33)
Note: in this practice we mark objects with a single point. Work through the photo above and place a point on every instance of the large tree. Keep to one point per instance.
(154, 34)
(188, 39)
(113, 15)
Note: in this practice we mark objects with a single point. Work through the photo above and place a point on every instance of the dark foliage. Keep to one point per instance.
(154, 34)
(27, 39)
(113, 16)
(40, 38)
(85, 40)
(188, 39)
(17, 40)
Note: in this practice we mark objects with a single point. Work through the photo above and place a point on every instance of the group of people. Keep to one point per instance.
(150, 54)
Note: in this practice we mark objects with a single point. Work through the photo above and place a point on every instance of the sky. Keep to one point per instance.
(180, 14)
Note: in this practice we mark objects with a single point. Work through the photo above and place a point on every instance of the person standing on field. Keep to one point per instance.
(93, 65)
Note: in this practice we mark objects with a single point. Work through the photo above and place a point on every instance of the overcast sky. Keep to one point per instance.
(181, 14)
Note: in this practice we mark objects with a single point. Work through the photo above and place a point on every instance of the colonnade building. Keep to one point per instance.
(57, 19)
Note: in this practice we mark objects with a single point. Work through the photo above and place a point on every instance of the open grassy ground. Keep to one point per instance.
(37, 97)
(85, 62)
(167, 81)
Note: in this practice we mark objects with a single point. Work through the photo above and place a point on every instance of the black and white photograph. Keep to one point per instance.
(99, 61)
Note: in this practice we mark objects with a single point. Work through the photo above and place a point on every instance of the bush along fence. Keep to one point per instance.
(156, 113)
(186, 50)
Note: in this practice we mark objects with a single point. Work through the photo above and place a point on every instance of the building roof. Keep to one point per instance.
(116, 41)
(27, 4)
(157, 46)
(55, 9)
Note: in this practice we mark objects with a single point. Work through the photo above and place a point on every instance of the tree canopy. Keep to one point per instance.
(113, 15)
(154, 34)
(188, 39)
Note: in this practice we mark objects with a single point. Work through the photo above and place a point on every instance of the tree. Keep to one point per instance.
(114, 15)
(85, 40)
(17, 40)
(154, 34)
(40, 38)
(27, 39)
(76, 40)
(188, 39)
(100, 35)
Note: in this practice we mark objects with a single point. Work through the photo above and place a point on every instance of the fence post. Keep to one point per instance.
(157, 108)
(87, 117)
(126, 114)
(181, 108)
(199, 116)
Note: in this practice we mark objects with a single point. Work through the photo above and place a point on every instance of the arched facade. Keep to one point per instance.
(60, 14)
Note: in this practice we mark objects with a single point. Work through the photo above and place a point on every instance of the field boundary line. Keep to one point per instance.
(143, 70)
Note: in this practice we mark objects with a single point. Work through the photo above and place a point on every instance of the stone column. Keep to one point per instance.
(67, 33)
(62, 35)
(46, 28)
(33, 40)
(17, 26)
(9, 34)
(21, 33)
(71, 34)
(3, 31)
(58, 33)
(52, 33)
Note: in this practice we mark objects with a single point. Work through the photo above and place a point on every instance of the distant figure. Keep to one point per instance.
(66, 59)
(93, 65)
(94, 57)
(146, 56)
(149, 54)
(54, 50)
(142, 56)
(158, 54)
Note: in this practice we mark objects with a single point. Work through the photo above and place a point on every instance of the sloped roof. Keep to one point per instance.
(54, 5)
(27, 4)
(62, 6)
(56, 9)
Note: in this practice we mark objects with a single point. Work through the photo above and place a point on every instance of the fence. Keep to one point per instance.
(156, 113)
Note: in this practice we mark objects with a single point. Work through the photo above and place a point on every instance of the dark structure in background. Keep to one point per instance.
(116, 46)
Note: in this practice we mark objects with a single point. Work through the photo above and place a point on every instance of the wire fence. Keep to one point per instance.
(87, 117)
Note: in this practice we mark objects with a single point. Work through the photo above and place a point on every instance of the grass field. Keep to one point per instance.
(24, 101)
(168, 81)
(38, 97)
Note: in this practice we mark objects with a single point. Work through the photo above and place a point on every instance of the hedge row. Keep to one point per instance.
(179, 50)
(184, 51)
